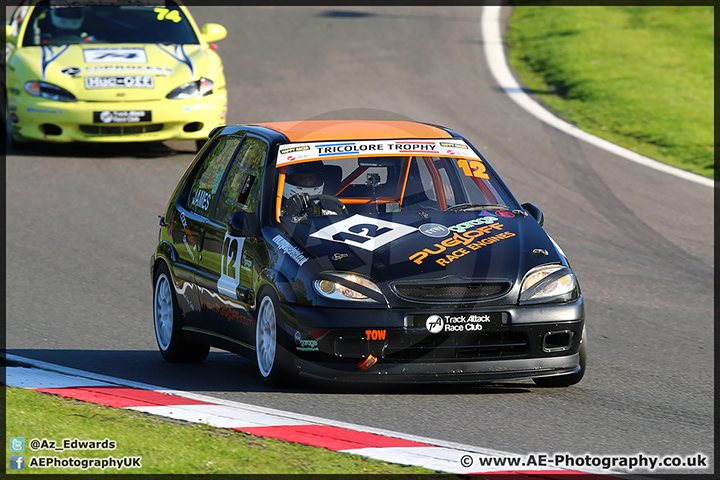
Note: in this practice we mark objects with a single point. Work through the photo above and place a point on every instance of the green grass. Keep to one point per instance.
(641, 77)
(169, 446)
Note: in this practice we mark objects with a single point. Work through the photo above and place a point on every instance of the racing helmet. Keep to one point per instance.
(67, 18)
(299, 179)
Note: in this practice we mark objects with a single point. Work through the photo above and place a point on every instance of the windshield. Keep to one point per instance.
(399, 182)
(54, 23)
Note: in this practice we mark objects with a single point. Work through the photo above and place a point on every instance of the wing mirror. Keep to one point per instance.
(9, 37)
(212, 32)
(243, 224)
(535, 212)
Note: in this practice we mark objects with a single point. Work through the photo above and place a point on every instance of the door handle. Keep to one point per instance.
(201, 239)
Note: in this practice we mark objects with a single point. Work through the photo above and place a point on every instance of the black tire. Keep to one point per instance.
(560, 381)
(167, 319)
(271, 353)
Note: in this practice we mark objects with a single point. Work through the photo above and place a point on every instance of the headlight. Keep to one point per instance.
(49, 91)
(198, 88)
(347, 286)
(549, 283)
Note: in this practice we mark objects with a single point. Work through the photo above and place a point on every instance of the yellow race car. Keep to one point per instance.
(112, 71)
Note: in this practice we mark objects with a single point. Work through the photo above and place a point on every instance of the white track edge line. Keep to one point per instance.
(495, 55)
(219, 401)
(314, 420)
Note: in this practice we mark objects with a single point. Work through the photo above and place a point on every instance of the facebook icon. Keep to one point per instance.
(17, 462)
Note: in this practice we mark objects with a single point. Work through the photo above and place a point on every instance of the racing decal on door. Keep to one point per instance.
(364, 232)
(230, 265)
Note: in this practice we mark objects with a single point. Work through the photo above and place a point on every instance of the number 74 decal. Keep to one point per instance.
(363, 232)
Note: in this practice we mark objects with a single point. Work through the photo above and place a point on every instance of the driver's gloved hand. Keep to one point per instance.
(297, 204)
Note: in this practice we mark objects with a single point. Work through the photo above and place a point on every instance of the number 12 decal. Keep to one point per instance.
(363, 232)
(473, 168)
(230, 265)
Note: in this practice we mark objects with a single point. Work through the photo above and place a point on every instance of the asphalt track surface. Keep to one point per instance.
(81, 225)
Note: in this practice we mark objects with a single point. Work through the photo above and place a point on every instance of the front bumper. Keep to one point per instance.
(449, 372)
(38, 119)
(528, 342)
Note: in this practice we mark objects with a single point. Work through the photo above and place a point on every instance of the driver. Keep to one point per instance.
(303, 181)
(66, 22)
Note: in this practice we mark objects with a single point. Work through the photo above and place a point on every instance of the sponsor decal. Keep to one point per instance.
(458, 323)
(434, 324)
(188, 239)
(363, 232)
(303, 345)
(498, 213)
(375, 334)
(290, 250)
(246, 263)
(290, 153)
(132, 116)
(458, 145)
(114, 55)
(294, 149)
(467, 241)
(230, 314)
(434, 230)
(44, 110)
(128, 81)
(71, 71)
(198, 106)
(475, 222)
(156, 70)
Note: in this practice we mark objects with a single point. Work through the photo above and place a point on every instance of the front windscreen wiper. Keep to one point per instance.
(476, 206)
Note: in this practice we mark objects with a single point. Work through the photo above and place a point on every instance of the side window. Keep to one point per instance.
(242, 188)
(207, 180)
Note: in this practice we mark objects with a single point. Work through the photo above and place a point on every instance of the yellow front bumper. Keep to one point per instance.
(38, 119)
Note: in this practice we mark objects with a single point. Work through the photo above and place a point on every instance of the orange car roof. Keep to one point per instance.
(323, 130)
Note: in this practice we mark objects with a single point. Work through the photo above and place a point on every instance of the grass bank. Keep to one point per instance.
(168, 446)
(641, 77)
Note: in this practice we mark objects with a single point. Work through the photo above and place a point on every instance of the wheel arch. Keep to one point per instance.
(276, 280)
(164, 253)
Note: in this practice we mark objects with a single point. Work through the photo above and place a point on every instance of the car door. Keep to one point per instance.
(195, 202)
(226, 268)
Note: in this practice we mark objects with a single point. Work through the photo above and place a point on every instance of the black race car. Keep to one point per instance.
(377, 251)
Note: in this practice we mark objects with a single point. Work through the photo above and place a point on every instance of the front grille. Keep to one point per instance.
(404, 345)
(424, 346)
(452, 291)
(117, 130)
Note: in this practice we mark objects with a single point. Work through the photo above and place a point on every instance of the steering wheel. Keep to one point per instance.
(329, 202)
